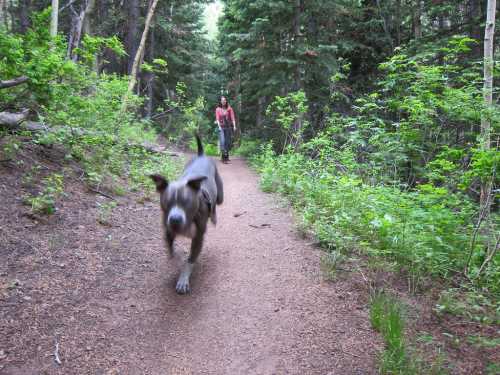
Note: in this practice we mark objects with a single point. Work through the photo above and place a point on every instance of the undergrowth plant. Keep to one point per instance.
(45, 201)
(386, 317)
(105, 211)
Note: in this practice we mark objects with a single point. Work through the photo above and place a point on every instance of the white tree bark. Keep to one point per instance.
(80, 26)
(140, 50)
(86, 20)
(54, 18)
(489, 34)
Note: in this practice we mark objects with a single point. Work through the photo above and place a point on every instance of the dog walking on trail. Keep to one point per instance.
(186, 205)
(226, 122)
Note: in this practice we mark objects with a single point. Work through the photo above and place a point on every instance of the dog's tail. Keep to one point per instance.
(200, 146)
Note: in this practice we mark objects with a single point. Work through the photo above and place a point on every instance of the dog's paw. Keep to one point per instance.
(182, 286)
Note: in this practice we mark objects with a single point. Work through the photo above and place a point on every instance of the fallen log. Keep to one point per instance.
(35, 126)
(153, 148)
(13, 119)
(13, 82)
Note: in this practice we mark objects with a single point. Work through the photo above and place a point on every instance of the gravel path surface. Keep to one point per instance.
(259, 304)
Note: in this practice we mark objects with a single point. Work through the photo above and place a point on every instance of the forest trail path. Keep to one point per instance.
(259, 304)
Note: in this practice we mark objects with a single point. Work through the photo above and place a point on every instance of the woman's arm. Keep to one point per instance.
(217, 117)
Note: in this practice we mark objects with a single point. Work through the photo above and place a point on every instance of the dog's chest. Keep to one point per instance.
(189, 232)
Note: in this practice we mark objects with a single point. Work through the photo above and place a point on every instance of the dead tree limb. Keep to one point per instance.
(13, 82)
(15, 122)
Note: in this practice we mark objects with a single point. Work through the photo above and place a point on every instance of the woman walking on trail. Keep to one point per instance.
(224, 115)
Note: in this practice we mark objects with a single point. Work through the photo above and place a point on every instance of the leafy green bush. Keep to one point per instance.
(427, 231)
(391, 179)
(82, 109)
(247, 148)
(287, 113)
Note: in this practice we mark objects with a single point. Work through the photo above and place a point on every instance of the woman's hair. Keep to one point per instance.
(220, 102)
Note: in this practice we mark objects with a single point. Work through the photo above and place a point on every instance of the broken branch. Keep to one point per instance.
(56, 354)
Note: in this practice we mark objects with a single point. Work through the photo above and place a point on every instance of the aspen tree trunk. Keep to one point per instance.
(385, 24)
(299, 81)
(150, 77)
(489, 31)
(53, 18)
(86, 26)
(139, 54)
(80, 26)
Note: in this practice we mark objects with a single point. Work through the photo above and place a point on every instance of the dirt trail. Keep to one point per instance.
(259, 304)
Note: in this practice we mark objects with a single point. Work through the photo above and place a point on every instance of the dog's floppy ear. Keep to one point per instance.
(195, 182)
(160, 182)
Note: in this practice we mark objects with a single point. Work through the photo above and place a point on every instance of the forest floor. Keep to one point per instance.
(103, 293)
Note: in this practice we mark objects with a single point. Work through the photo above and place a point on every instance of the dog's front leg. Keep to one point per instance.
(183, 282)
(169, 241)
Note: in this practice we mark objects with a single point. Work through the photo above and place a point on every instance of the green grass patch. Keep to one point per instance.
(388, 318)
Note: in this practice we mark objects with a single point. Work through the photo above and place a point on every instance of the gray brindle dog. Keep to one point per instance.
(186, 206)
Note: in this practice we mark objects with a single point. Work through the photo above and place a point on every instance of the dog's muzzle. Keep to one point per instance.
(176, 219)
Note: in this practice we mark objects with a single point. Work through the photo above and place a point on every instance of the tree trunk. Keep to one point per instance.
(86, 27)
(239, 95)
(150, 77)
(54, 18)
(417, 19)
(385, 25)
(3, 13)
(80, 24)
(299, 81)
(398, 22)
(474, 18)
(24, 21)
(259, 118)
(75, 33)
(140, 50)
(297, 43)
(132, 32)
(489, 35)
